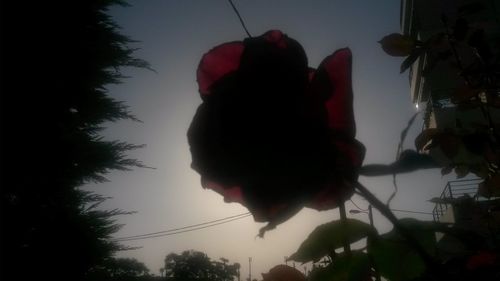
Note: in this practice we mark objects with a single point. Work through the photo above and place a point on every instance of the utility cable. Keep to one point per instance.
(356, 205)
(394, 210)
(178, 232)
(239, 17)
(214, 223)
(182, 229)
(412, 212)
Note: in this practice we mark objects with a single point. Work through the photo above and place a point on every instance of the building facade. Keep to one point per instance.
(471, 40)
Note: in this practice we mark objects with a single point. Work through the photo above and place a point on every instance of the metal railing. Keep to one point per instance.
(454, 190)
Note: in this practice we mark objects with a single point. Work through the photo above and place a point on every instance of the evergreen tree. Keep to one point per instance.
(57, 59)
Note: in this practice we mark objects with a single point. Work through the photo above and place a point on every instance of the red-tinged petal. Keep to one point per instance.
(275, 214)
(268, 214)
(217, 63)
(330, 196)
(339, 103)
(230, 194)
(310, 74)
(482, 259)
(350, 157)
(276, 37)
(326, 199)
(353, 153)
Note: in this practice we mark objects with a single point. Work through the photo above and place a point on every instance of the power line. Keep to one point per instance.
(408, 211)
(356, 205)
(239, 17)
(214, 223)
(182, 229)
(394, 210)
(178, 232)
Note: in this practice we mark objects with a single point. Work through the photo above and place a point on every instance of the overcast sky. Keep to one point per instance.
(173, 36)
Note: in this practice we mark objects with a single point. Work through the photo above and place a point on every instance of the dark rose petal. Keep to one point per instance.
(333, 82)
(217, 63)
(230, 194)
(276, 37)
(327, 198)
(339, 104)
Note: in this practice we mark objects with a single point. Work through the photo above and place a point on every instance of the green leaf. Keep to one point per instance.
(398, 45)
(353, 267)
(330, 236)
(394, 258)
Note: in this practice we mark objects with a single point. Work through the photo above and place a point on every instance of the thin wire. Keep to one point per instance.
(239, 17)
(184, 227)
(394, 210)
(356, 205)
(413, 212)
(178, 232)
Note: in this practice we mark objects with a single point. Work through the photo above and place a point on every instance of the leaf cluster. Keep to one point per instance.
(460, 253)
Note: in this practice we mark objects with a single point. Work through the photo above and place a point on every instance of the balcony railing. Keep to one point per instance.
(454, 190)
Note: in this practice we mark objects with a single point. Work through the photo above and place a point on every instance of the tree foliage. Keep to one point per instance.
(120, 269)
(194, 265)
(57, 59)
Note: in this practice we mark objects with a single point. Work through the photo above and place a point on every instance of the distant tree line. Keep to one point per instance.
(197, 266)
(57, 59)
(121, 269)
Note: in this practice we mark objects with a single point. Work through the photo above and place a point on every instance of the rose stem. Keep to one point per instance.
(384, 210)
(343, 219)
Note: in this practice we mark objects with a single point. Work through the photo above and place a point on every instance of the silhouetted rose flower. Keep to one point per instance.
(272, 133)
